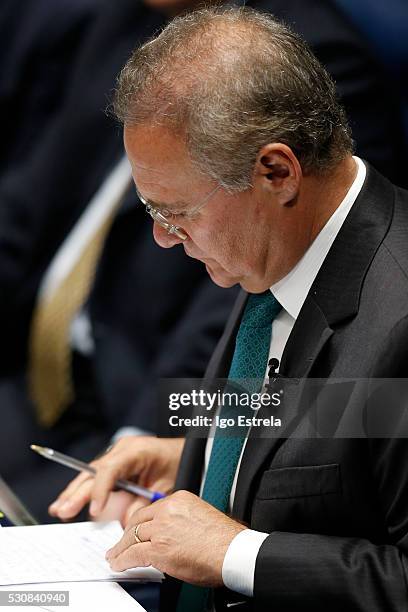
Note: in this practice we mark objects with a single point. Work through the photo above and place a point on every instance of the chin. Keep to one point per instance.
(253, 286)
(221, 278)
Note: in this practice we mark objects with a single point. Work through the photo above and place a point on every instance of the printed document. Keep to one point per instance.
(70, 552)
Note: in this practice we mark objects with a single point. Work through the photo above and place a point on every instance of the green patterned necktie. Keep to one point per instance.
(249, 362)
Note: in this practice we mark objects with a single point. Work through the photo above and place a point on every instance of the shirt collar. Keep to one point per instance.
(291, 291)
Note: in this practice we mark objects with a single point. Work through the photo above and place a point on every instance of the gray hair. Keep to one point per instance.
(230, 81)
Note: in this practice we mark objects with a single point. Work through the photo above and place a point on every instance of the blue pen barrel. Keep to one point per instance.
(136, 489)
(157, 496)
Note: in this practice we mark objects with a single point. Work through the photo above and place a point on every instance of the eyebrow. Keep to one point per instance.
(176, 207)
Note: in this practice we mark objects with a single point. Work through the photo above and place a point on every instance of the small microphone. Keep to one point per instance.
(273, 374)
(273, 364)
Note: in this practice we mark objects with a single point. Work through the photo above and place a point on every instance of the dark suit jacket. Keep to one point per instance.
(336, 506)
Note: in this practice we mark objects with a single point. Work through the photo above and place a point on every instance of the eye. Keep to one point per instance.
(172, 214)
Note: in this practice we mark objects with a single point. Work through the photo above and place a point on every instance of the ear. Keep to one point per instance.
(278, 170)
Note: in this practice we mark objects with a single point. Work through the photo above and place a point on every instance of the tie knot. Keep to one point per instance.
(261, 309)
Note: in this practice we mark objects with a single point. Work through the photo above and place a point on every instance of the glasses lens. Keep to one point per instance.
(162, 221)
(156, 216)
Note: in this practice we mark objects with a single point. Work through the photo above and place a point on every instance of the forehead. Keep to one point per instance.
(158, 158)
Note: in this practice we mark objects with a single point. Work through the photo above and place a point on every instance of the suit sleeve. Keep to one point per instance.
(298, 571)
(310, 571)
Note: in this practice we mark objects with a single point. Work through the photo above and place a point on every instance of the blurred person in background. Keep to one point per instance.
(385, 26)
(39, 43)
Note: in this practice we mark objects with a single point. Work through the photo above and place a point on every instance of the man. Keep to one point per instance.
(117, 351)
(230, 110)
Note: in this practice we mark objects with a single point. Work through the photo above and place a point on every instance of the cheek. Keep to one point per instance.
(224, 241)
(215, 246)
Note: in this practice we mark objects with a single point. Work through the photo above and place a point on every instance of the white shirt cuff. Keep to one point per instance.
(238, 569)
(129, 431)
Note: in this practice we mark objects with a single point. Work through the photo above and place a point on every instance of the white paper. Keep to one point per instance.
(83, 596)
(69, 552)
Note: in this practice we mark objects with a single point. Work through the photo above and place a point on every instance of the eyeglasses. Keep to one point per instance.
(162, 217)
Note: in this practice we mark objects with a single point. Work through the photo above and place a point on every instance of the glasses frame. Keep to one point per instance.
(162, 220)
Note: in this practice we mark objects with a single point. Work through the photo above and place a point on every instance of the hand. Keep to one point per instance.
(118, 507)
(153, 461)
(181, 535)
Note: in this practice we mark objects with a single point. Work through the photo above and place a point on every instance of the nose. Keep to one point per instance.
(162, 238)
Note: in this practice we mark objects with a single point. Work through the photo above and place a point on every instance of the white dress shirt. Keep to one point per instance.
(239, 563)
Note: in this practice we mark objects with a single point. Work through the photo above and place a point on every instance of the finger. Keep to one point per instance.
(128, 539)
(104, 483)
(70, 489)
(116, 464)
(137, 555)
(145, 531)
(71, 506)
(75, 486)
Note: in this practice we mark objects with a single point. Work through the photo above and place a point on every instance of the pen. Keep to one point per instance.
(81, 466)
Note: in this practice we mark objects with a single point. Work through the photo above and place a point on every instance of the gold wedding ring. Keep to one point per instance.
(136, 534)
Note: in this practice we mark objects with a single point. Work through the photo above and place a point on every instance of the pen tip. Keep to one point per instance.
(34, 447)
